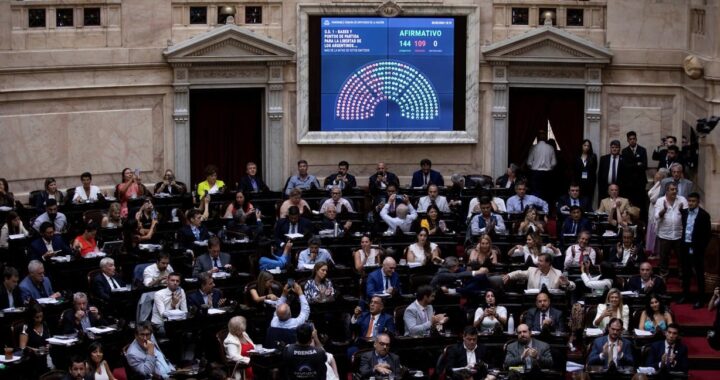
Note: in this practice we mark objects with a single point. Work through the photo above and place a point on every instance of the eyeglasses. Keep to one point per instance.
(384, 344)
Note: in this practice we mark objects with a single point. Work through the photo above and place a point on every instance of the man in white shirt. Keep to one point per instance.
(541, 162)
(668, 213)
(341, 204)
(87, 192)
(170, 298)
(282, 317)
(433, 197)
(544, 274)
(578, 253)
(157, 273)
(405, 215)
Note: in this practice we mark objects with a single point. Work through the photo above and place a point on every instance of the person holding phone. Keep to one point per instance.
(130, 188)
(169, 185)
(282, 317)
(170, 298)
(612, 309)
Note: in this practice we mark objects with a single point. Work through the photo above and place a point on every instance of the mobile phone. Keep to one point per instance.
(137, 172)
(291, 282)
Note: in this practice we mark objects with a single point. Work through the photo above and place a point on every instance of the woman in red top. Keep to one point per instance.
(85, 242)
(130, 188)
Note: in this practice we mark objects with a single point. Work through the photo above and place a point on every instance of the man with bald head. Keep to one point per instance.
(282, 317)
(404, 211)
(646, 282)
(384, 280)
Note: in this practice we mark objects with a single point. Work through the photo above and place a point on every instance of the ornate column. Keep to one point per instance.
(274, 134)
(500, 118)
(181, 119)
(593, 104)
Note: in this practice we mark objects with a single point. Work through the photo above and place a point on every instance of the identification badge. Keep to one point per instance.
(584, 175)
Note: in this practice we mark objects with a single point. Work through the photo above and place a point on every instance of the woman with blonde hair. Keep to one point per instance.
(237, 344)
(612, 308)
(484, 253)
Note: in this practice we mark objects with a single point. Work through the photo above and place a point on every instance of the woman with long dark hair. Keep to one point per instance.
(585, 170)
(98, 367)
(655, 317)
(422, 251)
(13, 226)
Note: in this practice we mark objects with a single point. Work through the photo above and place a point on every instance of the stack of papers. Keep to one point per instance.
(214, 311)
(16, 236)
(5, 208)
(100, 330)
(646, 370)
(294, 236)
(61, 259)
(261, 350)
(532, 291)
(93, 255)
(639, 332)
(201, 243)
(150, 247)
(220, 275)
(123, 289)
(275, 270)
(593, 332)
(47, 301)
(62, 340)
(175, 315)
(573, 367)
(13, 310)
(14, 358)
(414, 265)
(628, 293)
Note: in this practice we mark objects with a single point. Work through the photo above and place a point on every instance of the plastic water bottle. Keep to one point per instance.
(337, 229)
(511, 325)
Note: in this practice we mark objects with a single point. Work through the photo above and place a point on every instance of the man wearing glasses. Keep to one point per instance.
(341, 204)
(380, 361)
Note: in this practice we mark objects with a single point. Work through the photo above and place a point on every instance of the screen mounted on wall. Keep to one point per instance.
(386, 74)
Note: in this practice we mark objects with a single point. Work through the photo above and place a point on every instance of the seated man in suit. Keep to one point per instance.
(614, 201)
(380, 361)
(467, 281)
(487, 222)
(169, 185)
(194, 230)
(145, 357)
(108, 281)
(627, 252)
(646, 282)
(171, 298)
(370, 323)
(528, 351)
(426, 176)
(213, 261)
(207, 296)
(384, 280)
(611, 348)
(251, 182)
(420, 316)
(313, 254)
(380, 181)
(544, 274)
(81, 317)
(342, 179)
(467, 354)
(10, 291)
(35, 285)
(573, 198)
(293, 224)
(669, 354)
(433, 197)
(48, 244)
(544, 317)
(576, 223)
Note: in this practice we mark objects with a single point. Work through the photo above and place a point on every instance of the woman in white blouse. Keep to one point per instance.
(237, 344)
(366, 255)
(491, 315)
(605, 280)
(533, 248)
(612, 308)
(14, 226)
(423, 250)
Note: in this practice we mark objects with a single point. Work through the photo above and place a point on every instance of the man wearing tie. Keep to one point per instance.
(107, 281)
(194, 230)
(611, 168)
(371, 323)
(573, 198)
(695, 239)
(293, 224)
(207, 296)
(251, 182)
(543, 317)
(213, 261)
(635, 158)
(466, 354)
(611, 348)
(518, 202)
(384, 280)
(576, 223)
(527, 350)
(669, 354)
(426, 176)
(420, 316)
(487, 222)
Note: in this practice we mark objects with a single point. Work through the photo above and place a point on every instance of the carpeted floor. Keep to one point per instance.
(704, 375)
(687, 316)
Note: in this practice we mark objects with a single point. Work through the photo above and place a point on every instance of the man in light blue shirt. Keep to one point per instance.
(313, 254)
(518, 202)
(144, 355)
(302, 180)
(283, 318)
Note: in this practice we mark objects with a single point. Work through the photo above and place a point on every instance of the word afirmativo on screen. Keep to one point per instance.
(380, 74)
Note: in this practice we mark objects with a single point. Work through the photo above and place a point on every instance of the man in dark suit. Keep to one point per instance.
(507, 180)
(695, 239)
(457, 355)
(380, 361)
(213, 261)
(81, 317)
(194, 230)
(48, 244)
(294, 223)
(634, 158)
(207, 295)
(573, 198)
(672, 156)
(384, 280)
(379, 182)
(370, 323)
(10, 291)
(106, 282)
(251, 182)
(669, 354)
(612, 348)
(611, 168)
(426, 176)
(526, 347)
(341, 179)
(543, 317)
(646, 282)
(576, 223)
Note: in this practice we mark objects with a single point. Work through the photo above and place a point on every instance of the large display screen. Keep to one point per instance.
(387, 74)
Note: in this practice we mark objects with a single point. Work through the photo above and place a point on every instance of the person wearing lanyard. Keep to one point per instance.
(696, 237)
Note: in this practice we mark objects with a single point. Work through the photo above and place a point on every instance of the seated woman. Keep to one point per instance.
(264, 290)
(655, 318)
(319, 288)
(604, 281)
(366, 255)
(13, 226)
(237, 346)
(627, 219)
(531, 223)
(51, 192)
(134, 235)
(245, 217)
(97, 367)
(432, 221)
(211, 184)
(130, 188)
(147, 214)
(612, 308)
(295, 199)
(268, 260)
(33, 338)
(422, 251)
(484, 254)
(85, 243)
(7, 199)
(532, 249)
(490, 316)
(112, 219)
(169, 186)
(627, 252)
